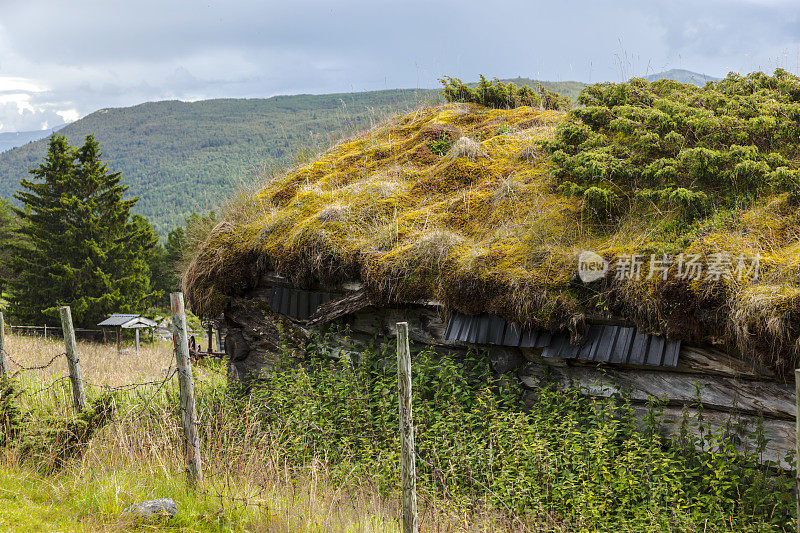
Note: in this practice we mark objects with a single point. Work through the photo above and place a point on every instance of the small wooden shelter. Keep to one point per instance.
(120, 321)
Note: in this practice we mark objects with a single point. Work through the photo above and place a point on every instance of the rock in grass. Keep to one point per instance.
(162, 508)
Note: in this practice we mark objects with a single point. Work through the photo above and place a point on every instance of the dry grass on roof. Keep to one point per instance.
(483, 229)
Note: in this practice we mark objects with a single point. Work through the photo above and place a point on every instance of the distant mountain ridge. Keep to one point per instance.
(682, 76)
(180, 157)
(12, 139)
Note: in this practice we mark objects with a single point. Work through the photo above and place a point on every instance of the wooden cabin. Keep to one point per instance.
(480, 248)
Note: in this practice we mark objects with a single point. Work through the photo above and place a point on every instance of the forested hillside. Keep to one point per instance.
(184, 157)
(181, 157)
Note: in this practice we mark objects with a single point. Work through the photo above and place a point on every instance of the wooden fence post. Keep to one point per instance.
(3, 367)
(797, 443)
(72, 359)
(407, 452)
(188, 411)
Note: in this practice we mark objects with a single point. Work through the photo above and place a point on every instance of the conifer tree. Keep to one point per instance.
(11, 243)
(88, 251)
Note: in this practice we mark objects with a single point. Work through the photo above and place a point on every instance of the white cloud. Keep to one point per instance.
(67, 115)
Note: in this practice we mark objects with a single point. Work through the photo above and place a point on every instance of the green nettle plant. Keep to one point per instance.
(569, 459)
(88, 250)
(733, 140)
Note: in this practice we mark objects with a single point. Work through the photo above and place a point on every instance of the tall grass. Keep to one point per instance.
(249, 483)
(314, 447)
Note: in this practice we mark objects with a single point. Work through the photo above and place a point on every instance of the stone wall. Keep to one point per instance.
(732, 392)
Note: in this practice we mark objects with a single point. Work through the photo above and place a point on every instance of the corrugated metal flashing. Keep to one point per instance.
(296, 303)
(607, 344)
(489, 329)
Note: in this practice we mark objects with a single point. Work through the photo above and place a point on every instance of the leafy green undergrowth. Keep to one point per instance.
(569, 462)
(57, 440)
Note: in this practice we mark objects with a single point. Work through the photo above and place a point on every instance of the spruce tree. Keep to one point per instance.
(12, 243)
(88, 251)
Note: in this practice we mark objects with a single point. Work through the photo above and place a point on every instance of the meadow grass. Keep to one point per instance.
(314, 446)
(249, 484)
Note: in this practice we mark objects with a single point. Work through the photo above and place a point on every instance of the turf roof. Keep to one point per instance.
(465, 205)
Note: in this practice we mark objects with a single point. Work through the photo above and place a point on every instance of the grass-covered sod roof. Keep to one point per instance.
(486, 210)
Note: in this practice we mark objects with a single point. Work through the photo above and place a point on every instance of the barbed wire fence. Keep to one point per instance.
(19, 367)
(181, 366)
(49, 332)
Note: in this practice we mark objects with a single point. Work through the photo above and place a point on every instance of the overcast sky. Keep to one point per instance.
(62, 60)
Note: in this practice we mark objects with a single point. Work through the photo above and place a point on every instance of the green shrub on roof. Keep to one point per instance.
(736, 139)
(502, 95)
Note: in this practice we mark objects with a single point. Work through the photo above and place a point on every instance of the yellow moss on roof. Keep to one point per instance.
(481, 232)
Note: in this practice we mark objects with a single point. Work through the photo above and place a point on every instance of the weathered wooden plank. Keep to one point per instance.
(605, 344)
(622, 347)
(285, 301)
(275, 299)
(513, 334)
(694, 359)
(333, 309)
(528, 338)
(773, 400)
(779, 434)
(497, 330)
(656, 354)
(639, 348)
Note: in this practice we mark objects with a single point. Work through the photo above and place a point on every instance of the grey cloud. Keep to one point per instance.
(92, 54)
(726, 29)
